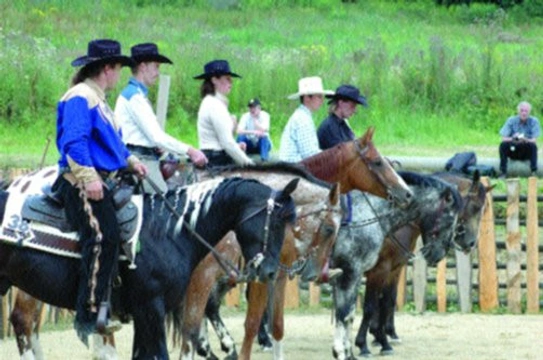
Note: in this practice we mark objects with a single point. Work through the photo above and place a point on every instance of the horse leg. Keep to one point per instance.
(371, 306)
(391, 293)
(345, 291)
(278, 330)
(256, 301)
(26, 312)
(214, 316)
(264, 339)
(149, 330)
(380, 334)
(103, 347)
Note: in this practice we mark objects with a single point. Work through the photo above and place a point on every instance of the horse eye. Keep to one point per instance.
(378, 163)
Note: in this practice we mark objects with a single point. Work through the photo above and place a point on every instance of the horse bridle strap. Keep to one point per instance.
(227, 266)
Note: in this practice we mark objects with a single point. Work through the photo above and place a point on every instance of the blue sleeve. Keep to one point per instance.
(76, 130)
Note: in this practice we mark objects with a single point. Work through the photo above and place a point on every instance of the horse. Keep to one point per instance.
(167, 251)
(435, 209)
(382, 279)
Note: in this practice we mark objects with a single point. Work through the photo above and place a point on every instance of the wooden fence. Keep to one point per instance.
(504, 269)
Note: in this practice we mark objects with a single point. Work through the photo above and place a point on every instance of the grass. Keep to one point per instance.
(438, 80)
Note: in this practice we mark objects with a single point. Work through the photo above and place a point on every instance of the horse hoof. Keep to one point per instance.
(365, 353)
(394, 340)
(386, 352)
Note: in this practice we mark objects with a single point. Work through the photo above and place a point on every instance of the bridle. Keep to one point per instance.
(362, 151)
(299, 264)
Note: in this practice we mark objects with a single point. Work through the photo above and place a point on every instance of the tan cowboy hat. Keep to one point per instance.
(310, 86)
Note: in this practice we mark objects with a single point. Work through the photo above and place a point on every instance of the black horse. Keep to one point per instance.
(168, 252)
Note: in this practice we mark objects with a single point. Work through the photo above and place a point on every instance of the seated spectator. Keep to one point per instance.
(253, 130)
(519, 136)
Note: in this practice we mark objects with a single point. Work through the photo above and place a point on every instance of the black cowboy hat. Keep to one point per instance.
(148, 52)
(253, 102)
(216, 68)
(348, 92)
(103, 50)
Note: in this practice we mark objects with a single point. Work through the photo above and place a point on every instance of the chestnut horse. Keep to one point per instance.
(382, 279)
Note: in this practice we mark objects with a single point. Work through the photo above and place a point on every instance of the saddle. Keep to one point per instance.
(46, 213)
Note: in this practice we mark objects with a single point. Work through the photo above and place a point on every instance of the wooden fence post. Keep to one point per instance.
(162, 99)
(232, 297)
(488, 275)
(441, 285)
(292, 294)
(419, 279)
(314, 294)
(463, 280)
(532, 248)
(402, 288)
(514, 275)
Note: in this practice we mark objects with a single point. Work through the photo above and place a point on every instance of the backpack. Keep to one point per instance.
(461, 161)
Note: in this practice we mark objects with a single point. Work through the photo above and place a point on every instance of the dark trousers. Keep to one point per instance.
(218, 158)
(104, 211)
(518, 151)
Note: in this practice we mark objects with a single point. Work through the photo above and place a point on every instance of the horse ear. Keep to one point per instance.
(369, 134)
(489, 188)
(291, 186)
(334, 194)
(476, 176)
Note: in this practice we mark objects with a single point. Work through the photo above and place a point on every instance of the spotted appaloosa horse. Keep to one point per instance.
(435, 208)
(382, 279)
(168, 251)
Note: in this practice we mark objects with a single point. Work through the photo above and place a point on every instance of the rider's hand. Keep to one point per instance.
(140, 170)
(94, 190)
(197, 157)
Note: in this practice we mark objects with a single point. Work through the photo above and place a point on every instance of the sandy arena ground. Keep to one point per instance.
(428, 336)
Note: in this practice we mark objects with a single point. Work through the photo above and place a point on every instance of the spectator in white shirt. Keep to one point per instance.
(253, 130)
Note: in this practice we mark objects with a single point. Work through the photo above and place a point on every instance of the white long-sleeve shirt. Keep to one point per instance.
(138, 121)
(215, 128)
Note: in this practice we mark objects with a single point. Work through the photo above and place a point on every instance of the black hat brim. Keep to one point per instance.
(210, 75)
(86, 60)
(152, 57)
(359, 100)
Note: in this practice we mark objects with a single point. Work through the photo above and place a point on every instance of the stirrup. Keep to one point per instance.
(104, 326)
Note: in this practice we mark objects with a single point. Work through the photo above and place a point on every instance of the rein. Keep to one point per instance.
(406, 252)
(299, 264)
(226, 265)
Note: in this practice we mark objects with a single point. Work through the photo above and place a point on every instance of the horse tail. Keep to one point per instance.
(174, 323)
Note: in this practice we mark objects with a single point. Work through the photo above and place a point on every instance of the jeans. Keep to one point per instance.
(262, 147)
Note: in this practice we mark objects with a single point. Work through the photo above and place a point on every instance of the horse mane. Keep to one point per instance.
(280, 167)
(412, 178)
(326, 164)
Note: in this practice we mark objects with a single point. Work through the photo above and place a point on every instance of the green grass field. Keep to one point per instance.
(438, 80)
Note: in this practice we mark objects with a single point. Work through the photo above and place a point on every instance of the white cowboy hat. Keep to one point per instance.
(310, 86)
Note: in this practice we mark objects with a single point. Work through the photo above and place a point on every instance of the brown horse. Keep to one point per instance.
(382, 279)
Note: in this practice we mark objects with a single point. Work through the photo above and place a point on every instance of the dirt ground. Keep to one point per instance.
(309, 336)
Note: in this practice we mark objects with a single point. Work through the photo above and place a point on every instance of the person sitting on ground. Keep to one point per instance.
(299, 138)
(91, 155)
(253, 130)
(214, 120)
(335, 129)
(519, 135)
(141, 131)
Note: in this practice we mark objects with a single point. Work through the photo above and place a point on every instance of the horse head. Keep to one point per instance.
(315, 247)
(473, 194)
(261, 230)
(439, 203)
(359, 165)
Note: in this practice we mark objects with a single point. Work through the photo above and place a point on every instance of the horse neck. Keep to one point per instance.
(331, 165)
(390, 217)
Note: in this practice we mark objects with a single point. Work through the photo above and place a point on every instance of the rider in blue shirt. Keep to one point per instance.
(91, 155)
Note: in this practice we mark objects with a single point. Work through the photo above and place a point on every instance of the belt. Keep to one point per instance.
(214, 152)
(142, 150)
